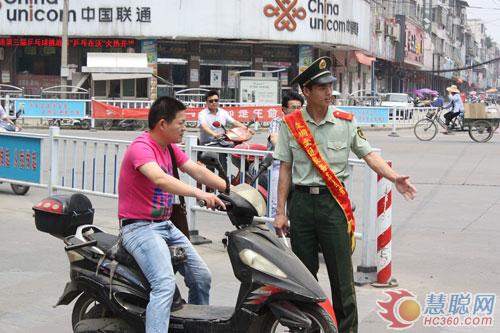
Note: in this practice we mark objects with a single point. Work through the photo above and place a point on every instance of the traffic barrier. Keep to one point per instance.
(406, 117)
(384, 233)
(91, 166)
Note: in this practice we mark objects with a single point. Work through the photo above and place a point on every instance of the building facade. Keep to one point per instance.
(213, 44)
(190, 44)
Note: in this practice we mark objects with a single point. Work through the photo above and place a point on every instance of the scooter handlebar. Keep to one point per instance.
(228, 205)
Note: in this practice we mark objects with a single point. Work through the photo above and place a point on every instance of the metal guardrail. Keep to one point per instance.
(91, 166)
(127, 104)
(406, 117)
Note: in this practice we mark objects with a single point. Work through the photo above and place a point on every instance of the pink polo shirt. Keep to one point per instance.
(138, 197)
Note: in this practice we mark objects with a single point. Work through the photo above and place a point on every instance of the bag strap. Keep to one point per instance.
(176, 172)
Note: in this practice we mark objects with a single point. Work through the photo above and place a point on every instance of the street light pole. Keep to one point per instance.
(64, 46)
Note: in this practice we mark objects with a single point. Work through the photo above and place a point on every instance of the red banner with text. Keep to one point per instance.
(262, 113)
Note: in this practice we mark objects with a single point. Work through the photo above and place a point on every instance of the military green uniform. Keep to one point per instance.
(316, 219)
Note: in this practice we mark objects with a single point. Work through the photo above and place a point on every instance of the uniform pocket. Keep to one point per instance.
(298, 153)
(338, 152)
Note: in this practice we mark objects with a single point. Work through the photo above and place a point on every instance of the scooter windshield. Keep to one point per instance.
(253, 197)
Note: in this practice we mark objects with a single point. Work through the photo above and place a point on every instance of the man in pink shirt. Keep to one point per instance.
(146, 190)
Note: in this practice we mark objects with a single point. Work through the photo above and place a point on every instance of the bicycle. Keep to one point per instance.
(480, 130)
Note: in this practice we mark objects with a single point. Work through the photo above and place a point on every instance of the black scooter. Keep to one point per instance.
(277, 292)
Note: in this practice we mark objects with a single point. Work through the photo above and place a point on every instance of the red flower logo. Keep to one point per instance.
(286, 13)
(401, 310)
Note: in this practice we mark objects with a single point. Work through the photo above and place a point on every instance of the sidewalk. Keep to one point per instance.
(443, 241)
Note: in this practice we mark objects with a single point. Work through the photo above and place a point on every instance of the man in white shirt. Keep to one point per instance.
(5, 121)
(211, 114)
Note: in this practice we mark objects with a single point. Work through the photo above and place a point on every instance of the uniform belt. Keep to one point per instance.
(125, 222)
(312, 189)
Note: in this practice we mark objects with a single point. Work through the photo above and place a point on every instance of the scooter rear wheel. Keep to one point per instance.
(321, 321)
(87, 307)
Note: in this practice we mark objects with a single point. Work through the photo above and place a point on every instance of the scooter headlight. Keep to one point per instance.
(260, 263)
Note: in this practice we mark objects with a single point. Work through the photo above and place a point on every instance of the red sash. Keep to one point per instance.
(300, 131)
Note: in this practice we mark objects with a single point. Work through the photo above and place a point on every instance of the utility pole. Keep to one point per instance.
(64, 46)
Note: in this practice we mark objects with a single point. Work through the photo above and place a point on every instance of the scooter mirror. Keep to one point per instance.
(268, 160)
(266, 163)
(210, 159)
(216, 124)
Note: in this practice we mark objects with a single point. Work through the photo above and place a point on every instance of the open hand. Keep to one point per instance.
(404, 186)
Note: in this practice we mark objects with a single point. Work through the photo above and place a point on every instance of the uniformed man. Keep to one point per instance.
(313, 149)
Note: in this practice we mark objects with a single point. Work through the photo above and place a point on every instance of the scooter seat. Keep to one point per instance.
(106, 243)
(112, 248)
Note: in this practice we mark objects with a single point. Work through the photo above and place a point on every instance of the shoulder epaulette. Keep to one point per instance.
(343, 115)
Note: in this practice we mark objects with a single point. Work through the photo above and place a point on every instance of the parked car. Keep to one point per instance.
(399, 101)
(363, 98)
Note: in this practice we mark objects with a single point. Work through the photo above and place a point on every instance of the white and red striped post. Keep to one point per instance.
(384, 232)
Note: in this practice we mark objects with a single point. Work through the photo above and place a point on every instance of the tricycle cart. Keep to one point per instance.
(479, 122)
(481, 129)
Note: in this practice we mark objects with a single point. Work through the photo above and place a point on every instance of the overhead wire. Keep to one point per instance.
(456, 69)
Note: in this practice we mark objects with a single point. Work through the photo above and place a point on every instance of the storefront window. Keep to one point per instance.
(100, 88)
(205, 75)
(38, 60)
(141, 88)
(114, 88)
(179, 76)
(128, 88)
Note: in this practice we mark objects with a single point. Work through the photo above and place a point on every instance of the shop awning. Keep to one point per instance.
(363, 58)
(119, 76)
(172, 61)
(128, 64)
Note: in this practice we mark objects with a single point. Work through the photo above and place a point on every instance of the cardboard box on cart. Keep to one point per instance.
(480, 111)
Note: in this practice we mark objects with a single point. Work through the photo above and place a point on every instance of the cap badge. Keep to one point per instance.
(322, 64)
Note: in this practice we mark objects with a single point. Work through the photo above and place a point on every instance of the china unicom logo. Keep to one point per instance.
(286, 12)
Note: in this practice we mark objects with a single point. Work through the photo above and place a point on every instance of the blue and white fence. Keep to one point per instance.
(91, 166)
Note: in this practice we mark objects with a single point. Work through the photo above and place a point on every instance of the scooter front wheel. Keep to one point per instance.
(320, 319)
(19, 189)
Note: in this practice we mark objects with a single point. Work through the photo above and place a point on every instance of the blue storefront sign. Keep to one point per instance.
(366, 115)
(50, 108)
(20, 158)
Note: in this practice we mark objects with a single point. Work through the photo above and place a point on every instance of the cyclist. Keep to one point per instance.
(455, 105)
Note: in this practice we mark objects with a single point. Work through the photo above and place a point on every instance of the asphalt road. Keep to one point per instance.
(446, 240)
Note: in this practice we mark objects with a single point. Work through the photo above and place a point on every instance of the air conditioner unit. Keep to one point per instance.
(389, 30)
(379, 27)
(395, 33)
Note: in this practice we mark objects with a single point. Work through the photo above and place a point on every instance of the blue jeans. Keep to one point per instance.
(273, 186)
(147, 243)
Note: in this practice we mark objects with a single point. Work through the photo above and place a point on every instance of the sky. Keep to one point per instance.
(489, 13)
